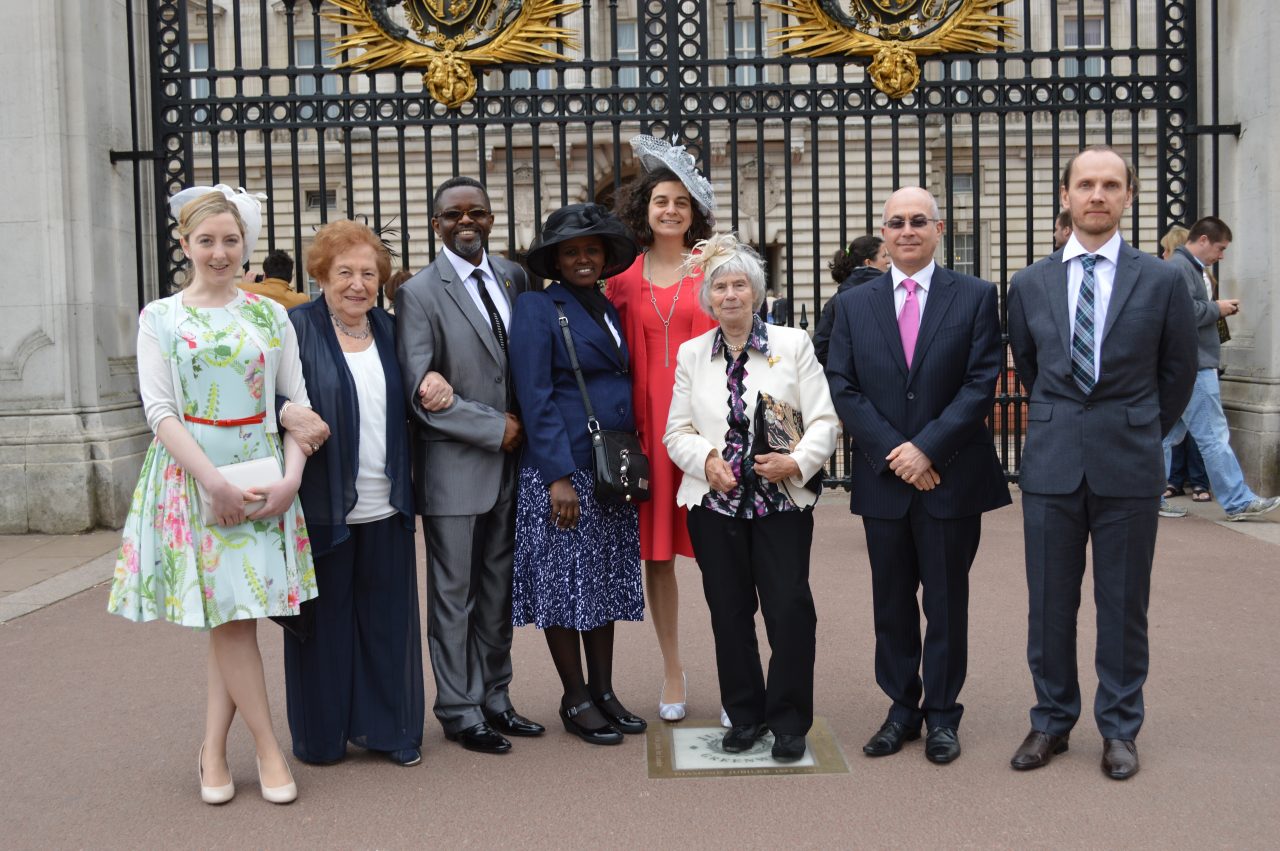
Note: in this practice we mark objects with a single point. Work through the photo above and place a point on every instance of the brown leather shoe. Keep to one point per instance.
(1119, 758)
(1037, 749)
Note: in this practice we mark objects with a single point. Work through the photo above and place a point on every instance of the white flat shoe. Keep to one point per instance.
(675, 711)
(724, 719)
(213, 794)
(286, 794)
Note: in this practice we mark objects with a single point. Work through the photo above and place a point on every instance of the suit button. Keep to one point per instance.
(911, 395)
(1088, 407)
(497, 379)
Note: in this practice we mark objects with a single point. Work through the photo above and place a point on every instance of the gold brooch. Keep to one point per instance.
(773, 359)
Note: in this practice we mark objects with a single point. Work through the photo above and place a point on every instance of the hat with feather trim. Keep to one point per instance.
(655, 153)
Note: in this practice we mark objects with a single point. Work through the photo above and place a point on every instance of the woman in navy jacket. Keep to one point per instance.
(357, 676)
(577, 560)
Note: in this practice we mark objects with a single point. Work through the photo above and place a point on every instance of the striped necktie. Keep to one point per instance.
(1082, 345)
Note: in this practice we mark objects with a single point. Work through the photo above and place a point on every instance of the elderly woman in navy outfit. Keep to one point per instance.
(356, 675)
(577, 560)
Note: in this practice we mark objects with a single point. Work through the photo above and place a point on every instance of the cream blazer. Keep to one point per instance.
(699, 408)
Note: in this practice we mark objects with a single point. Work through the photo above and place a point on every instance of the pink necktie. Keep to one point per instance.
(909, 320)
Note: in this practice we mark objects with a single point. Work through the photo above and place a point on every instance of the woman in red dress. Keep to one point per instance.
(668, 208)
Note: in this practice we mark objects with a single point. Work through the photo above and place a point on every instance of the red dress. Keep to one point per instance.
(663, 529)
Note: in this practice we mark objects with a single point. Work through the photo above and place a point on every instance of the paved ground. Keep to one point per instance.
(103, 719)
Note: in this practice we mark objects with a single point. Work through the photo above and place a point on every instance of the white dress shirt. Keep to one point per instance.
(923, 279)
(1104, 276)
(465, 269)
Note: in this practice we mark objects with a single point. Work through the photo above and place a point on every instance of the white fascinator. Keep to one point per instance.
(249, 205)
(708, 255)
(655, 153)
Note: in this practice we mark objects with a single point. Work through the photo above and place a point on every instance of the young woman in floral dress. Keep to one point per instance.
(211, 361)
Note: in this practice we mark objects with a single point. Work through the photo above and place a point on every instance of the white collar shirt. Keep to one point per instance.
(465, 269)
(1104, 276)
(923, 279)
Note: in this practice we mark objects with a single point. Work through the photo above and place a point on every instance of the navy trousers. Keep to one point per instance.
(358, 678)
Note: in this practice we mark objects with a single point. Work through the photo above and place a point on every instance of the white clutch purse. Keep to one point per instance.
(246, 474)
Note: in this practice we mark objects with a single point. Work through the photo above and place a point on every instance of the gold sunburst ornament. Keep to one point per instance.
(449, 37)
(892, 32)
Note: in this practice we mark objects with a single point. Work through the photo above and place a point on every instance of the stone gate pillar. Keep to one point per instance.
(72, 434)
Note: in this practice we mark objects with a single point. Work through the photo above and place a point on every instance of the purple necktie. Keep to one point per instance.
(909, 320)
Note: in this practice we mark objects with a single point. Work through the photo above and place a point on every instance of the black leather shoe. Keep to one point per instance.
(606, 735)
(742, 737)
(1037, 749)
(788, 748)
(1119, 758)
(942, 745)
(512, 723)
(889, 738)
(618, 715)
(480, 738)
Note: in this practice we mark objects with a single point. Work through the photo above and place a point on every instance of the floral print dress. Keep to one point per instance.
(220, 363)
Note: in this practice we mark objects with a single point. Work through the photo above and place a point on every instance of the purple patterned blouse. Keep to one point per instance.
(762, 497)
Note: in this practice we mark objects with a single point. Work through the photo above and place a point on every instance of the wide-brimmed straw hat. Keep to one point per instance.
(578, 220)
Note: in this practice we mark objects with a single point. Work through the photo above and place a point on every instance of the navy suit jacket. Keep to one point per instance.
(551, 408)
(940, 404)
(1111, 438)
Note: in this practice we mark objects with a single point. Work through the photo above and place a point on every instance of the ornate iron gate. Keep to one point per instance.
(802, 152)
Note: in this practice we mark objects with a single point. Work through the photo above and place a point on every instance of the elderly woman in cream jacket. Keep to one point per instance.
(750, 511)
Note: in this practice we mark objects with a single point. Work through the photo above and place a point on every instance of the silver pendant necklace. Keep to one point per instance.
(665, 320)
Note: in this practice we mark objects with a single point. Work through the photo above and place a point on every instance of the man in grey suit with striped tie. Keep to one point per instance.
(452, 317)
(1104, 341)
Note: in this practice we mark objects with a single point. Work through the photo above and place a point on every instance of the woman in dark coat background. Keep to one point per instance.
(358, 676)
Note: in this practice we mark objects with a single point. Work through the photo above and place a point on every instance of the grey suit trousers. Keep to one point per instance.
(469, 560)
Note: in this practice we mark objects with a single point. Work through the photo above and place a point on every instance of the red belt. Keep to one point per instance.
(253, 420)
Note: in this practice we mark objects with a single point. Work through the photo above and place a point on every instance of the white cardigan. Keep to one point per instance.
(699, 408)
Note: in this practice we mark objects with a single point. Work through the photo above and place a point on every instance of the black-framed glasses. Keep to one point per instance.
(917, 222)
(454, 216)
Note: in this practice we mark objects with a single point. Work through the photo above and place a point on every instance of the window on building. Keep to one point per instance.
(963, 262)
(198, 63)
(307, 57)
(1080, 33)
(743, 37)
(628, 50)
(962, 183)
(315, 197)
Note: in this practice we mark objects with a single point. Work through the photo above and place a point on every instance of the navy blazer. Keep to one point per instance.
(328, 490)
(940, 404)
(551, 408)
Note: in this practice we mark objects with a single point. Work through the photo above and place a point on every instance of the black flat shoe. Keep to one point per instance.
(942, 745)
(618, 715)
(480, 738)
(889, 738)
(787, 747)
(606, 735)
(512, 723)
(742, 737)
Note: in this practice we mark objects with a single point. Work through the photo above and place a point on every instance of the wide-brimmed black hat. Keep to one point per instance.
(578, 220)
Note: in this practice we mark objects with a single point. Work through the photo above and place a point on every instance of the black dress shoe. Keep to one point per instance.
(619, 716)
(742, 737)
(512, 723)
(889, 738)
(942, 745)
(1119, 758)
(788, 748)
(480, 738)
(1037, 749)
(606, 735)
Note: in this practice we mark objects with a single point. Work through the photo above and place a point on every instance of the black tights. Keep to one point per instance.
(565, 653)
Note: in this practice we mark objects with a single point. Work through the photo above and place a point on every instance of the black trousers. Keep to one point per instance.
(763, 560)
(358, 677)
(913, 552)
(1057, 529)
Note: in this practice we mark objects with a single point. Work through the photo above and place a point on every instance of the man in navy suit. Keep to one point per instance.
(1105, 342)
(913, 364)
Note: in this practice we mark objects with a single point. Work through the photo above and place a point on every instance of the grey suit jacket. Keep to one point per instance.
(1111, 438)
(458, 460)
(1205, 308)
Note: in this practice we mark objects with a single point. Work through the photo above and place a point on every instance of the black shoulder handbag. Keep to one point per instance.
(621, 468)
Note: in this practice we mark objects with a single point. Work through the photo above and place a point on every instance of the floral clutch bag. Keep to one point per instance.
(778, 428)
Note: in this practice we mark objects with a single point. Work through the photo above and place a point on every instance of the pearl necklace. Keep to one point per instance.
(735, 349)
(665, 320)
(355, 335)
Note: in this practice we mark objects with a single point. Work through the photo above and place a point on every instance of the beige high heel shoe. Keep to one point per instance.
(213, 794)
(286, 794)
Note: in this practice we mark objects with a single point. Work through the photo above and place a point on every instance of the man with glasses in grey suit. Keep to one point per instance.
(453, 318)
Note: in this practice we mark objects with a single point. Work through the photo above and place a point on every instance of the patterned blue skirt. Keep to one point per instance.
(580, 578)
